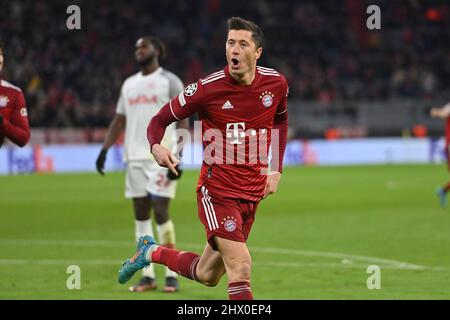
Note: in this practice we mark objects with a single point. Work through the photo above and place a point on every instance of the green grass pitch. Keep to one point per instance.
(314, 239)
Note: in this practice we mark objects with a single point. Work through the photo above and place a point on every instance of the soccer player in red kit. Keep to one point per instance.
(241, 102)
(13, 112)
(444, 113)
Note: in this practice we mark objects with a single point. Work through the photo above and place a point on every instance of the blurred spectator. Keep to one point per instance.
(420, 131)
(332, 133)
(73, 78)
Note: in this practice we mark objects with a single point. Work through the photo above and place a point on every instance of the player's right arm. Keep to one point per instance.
(185, 104)
(442, 113)
(17, 128)
(116, 127)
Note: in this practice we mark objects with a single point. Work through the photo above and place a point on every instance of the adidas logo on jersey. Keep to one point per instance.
(227, 105)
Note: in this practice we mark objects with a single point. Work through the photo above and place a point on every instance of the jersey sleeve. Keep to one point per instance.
(282, 106)
(280, 123)
(191, 100)
(120, 107)
(17, 128)
(188, 102)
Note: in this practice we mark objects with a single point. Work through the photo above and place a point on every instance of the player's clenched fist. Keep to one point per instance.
(165, 158)
(272, 183)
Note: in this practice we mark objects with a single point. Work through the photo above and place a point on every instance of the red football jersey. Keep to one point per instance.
(14, 112)
(236, 128)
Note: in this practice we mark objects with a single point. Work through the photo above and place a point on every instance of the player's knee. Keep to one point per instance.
(161, 217)
(244, 270)
(141, 214)
(141, 209)
(161, 212)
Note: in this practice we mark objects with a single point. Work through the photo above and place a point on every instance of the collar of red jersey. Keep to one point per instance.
(233, 81)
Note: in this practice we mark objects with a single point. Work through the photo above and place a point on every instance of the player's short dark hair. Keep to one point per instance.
(237, 23)
(1, 44)
(158, 44)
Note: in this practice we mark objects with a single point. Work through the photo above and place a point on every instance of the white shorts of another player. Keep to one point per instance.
(144, 177)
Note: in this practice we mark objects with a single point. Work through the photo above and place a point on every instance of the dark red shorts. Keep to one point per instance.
(227, 218)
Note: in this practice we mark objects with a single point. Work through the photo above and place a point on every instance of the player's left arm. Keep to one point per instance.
(176, 88)
(187, 103)
(16, 128)
(278, 146)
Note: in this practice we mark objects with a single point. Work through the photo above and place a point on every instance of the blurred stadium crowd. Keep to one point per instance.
(72, 78)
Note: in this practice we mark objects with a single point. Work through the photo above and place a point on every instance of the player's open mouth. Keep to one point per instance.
(235, 63)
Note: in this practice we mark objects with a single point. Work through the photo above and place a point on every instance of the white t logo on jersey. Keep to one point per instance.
(236, 131)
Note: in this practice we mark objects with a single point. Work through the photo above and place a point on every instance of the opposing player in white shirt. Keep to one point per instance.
(149, 185)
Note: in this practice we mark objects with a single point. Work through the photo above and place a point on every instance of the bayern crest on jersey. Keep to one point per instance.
(267, 98)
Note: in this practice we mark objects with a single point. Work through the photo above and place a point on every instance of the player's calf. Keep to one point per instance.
(239, 270)
(238, 264)
(239, 280)
(182, 262)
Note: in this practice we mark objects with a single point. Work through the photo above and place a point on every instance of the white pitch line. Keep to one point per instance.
(59, 262)
(336, 265)
(110, 262)
(337, 255)
(342, 256)
(81, 243)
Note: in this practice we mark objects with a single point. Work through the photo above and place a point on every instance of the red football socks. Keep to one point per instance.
(182, 262)
(185, 264)
(240, 291)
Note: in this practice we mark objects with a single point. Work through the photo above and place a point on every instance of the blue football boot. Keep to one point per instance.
(138, 261)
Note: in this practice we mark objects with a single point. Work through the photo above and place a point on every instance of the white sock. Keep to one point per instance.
(166, 236)
(144, 228)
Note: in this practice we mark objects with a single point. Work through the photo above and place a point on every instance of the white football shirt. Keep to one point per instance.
(141, 98)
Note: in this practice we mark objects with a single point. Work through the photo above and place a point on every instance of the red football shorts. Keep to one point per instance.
(226, 218)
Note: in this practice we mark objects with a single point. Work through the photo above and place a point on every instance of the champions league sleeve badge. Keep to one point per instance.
(190, 89)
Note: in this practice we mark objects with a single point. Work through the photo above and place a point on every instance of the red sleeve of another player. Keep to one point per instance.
(188, 102)
(280, 123)
(16, 128)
